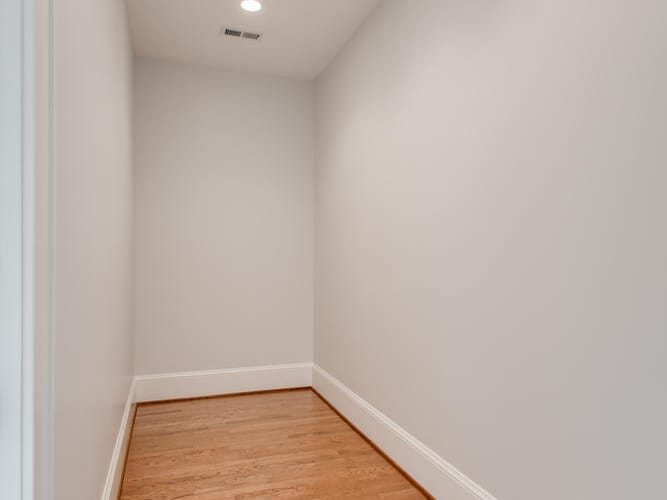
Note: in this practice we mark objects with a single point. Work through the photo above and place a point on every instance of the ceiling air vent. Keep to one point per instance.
(240, 34)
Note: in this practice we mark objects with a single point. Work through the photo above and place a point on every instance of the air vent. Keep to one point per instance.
(240, 34)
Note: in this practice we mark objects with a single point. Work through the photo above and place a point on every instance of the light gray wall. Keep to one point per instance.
(93, 348)
(10, 249)
(491, 237)
(224, 218)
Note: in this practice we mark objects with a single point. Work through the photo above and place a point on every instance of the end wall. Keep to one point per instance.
(224, 218)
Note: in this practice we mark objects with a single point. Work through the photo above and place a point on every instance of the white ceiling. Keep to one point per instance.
(299, 37)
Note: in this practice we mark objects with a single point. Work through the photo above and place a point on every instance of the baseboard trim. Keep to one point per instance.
(114, 478)
(421, 464)
(183, 385)
(427, 468)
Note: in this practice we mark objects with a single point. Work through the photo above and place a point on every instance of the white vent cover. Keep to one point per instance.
(240, 34)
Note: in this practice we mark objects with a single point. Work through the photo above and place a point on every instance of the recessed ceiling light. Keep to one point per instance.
(251, 5)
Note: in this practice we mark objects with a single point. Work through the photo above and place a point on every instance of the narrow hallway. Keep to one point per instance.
(330, 249)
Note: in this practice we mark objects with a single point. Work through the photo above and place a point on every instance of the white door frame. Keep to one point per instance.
(38, 234)
(11, 157)
(25, 245)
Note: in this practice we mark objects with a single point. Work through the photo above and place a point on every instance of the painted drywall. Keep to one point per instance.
(224, 218)
(93, 289)
(10, 249)
(491, 233)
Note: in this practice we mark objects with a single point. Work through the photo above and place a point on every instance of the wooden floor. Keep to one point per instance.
(274, 445)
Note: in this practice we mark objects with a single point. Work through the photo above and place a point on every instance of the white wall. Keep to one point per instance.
(10, 249)
(93, 346)
(491, 237)
(224, 218)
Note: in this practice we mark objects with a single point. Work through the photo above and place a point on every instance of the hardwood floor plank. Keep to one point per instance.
(272, 445)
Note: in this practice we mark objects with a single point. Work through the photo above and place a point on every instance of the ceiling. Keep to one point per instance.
(299, 37)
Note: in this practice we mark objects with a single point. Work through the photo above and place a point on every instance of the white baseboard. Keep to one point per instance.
(429, 469)
(218, 382)
(115, 472)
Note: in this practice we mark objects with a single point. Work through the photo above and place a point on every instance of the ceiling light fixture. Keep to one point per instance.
(251, 5)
